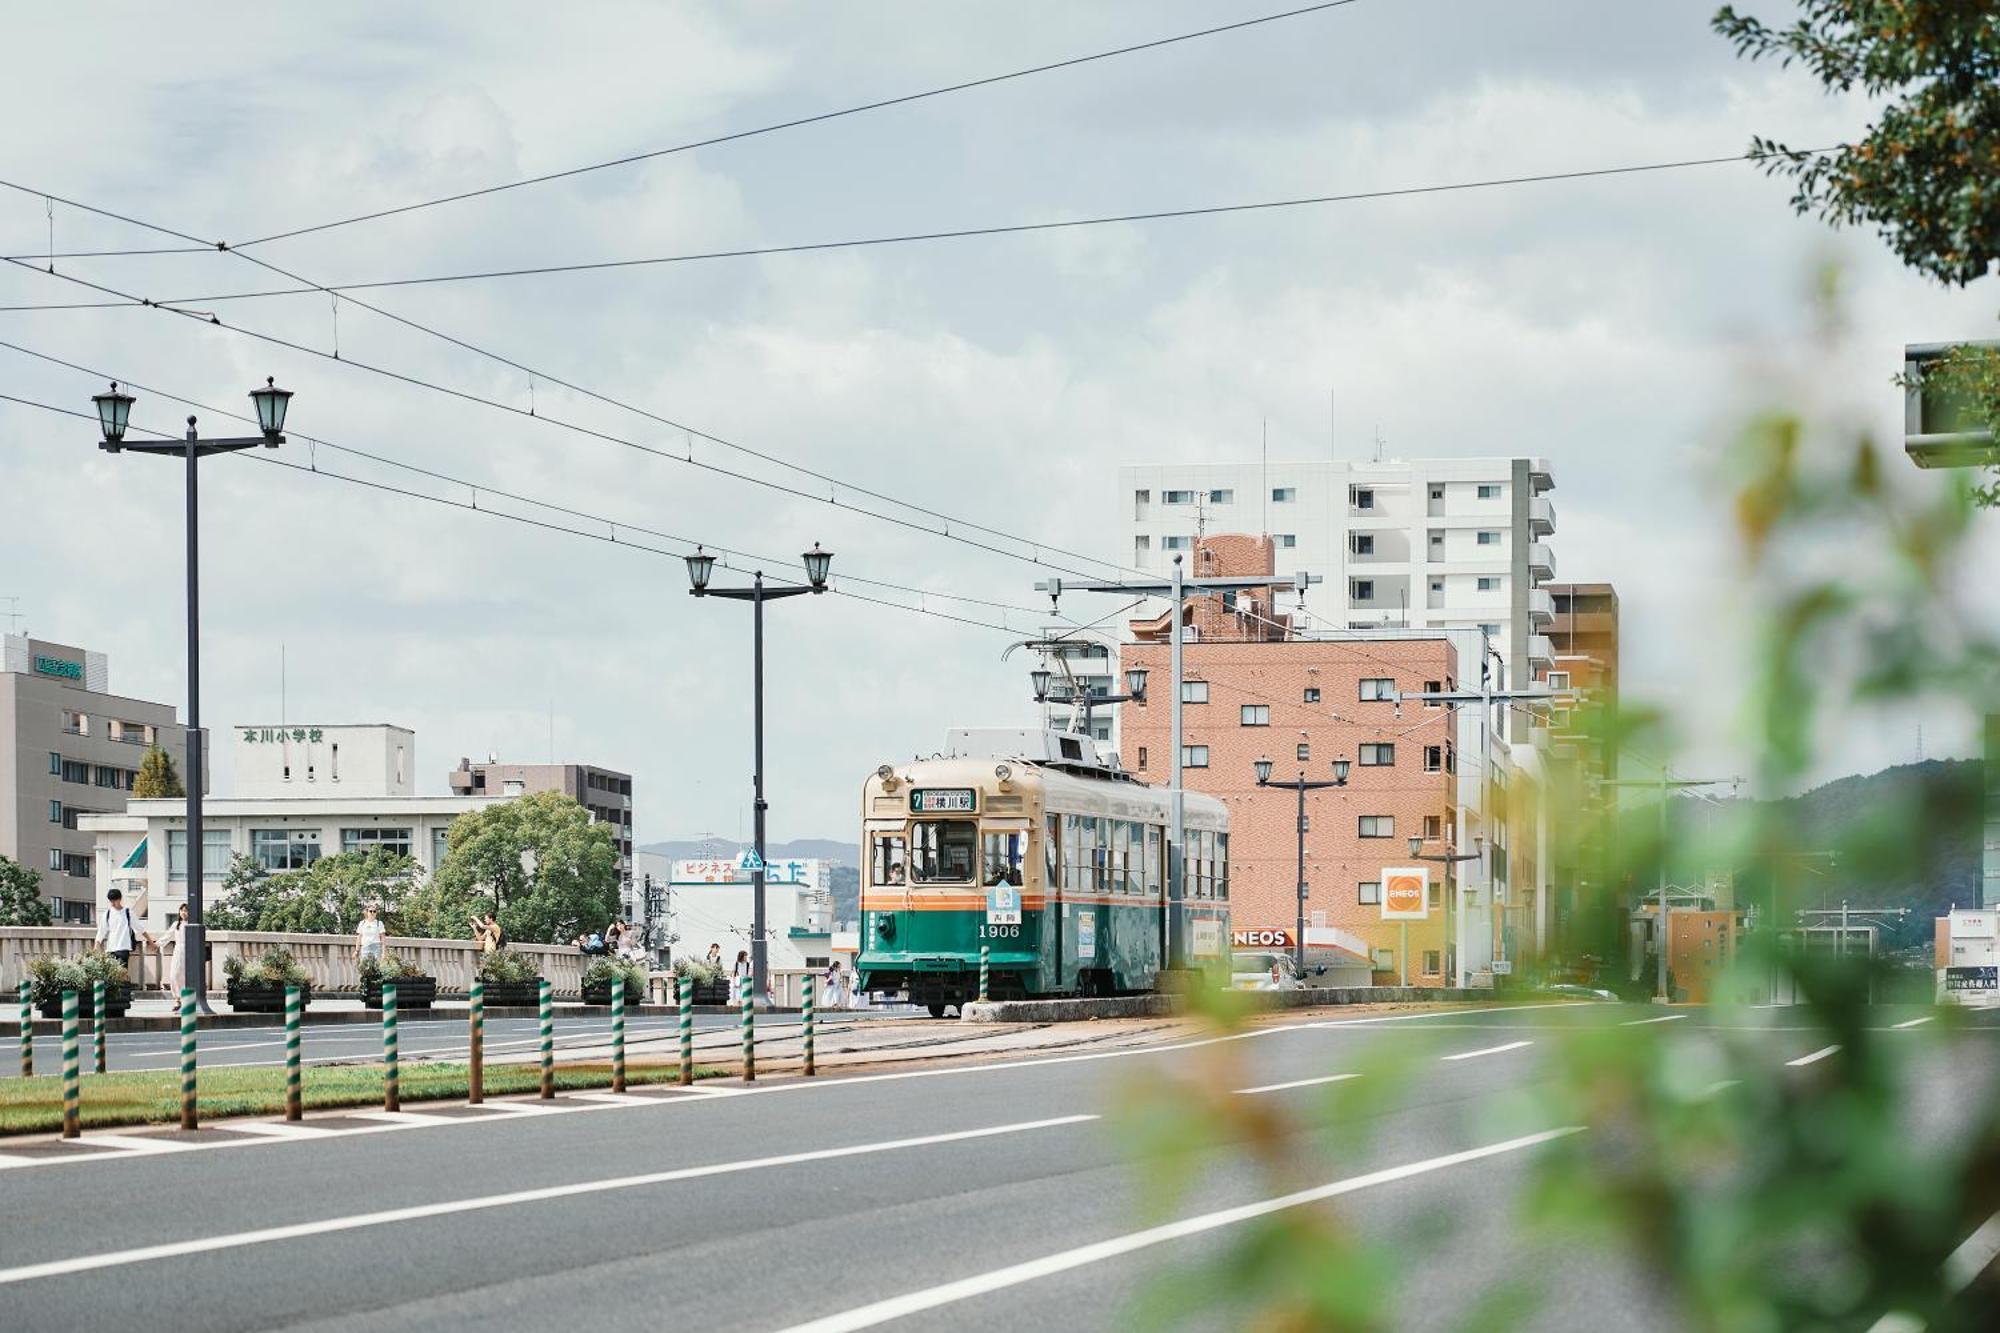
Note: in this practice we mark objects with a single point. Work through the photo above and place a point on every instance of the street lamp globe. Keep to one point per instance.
(1135, 682)
(271, 404)
(114, 412)
(1416, 846)
(817, 562)
(1340, 770)
(701, 565)
(1263, 767)
(1040, 678)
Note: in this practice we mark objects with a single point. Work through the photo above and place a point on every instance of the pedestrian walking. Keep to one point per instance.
(117, 932)
(368, 935)
(167, 944)
(714, 959)
(836, 987)
(739, 971)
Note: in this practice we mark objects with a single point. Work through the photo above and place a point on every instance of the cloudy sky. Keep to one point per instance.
(1615, 326)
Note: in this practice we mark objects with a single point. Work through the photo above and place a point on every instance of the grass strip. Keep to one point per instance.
(140, 1097)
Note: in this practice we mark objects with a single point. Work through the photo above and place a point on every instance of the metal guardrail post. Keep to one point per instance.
(548, 1032)
(295, 1107)
(687, 1030)
(97, 1009)
(72, 1122)
(189, 1119)
(475, 1087)
(392, 1081)
(618, 1034)
(749, 1032)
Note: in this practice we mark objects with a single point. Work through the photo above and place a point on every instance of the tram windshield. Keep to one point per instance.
(889, 858)
(942, 851)
(1004, 855)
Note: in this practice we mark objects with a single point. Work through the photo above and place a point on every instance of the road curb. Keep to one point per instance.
(43, 1027)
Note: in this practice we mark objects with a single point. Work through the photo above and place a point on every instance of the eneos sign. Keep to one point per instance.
(1406, 893)
(1272, 937)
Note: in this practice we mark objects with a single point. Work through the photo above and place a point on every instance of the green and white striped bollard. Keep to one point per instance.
(97, 1015)
(749, 1034)
(687, 1029)
(548, 1015)
(189, 1120)
(72, 1123)
(392, 1078)
(294, 1097)
(618, 1034)
(985, 969)
(806, 1014)
(475, 1086)
(27, 1030)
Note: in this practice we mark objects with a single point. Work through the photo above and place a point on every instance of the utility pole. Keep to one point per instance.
(1663, 784)
(1177, 589)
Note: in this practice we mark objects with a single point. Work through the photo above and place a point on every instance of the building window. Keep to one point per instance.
(1437, 543)
(1305, 751)
(1364, 543)
(395, 841)
(1430, 962)
(75, 723)
(1194, 756)
(1558, 680)
(1433, 828)
(1437, 492)
(1194, 691)
(1256, 715)
(55, 812)
(1489, 583)
(1312, 694)
(1490, 631)
(1141, 546)
(55, 860)
(1378, 826)
(1222, 497)
(440, 845)
(1287, 540)
(1284, 495)
(278, 849)
(1433, 759)
(1364, 590)
(75, 770)
(1489, 539)
(1229, 600)
(1378, 754)
(1142, 497)
(1368, 893)
(1378, 688)
(55, 762)
(1175, 543)
(1363, 497)
(215, 852)
(1489, 491)
(1433, 687)
(1142, 759)
(1178, 497)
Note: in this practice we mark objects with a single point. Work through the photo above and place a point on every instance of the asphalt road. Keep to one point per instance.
(1001, 1196)
(442, 1038)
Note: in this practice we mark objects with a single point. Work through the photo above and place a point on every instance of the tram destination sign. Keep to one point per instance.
(943, 800)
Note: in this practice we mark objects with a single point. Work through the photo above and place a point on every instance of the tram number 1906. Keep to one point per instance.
(999, 932)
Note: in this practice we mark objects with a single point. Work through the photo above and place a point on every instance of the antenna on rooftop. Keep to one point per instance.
(13, 614)
(1378, 444)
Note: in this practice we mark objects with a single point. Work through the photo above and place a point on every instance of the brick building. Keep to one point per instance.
(1255, 688)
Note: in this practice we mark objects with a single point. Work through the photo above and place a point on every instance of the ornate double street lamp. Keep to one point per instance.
(701, 566)
(1448, 858)
(1301, 784)
(1135, 692)
(114, 414)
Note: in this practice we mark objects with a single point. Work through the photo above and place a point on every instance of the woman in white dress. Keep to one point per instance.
(836, 987)
(167, 944)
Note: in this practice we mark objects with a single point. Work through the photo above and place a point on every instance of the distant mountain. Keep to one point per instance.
(798, 849)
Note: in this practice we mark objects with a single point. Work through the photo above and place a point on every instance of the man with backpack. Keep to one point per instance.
(117, 932)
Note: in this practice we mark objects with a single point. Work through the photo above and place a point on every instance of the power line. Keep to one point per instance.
(962, 233)
(816, 119)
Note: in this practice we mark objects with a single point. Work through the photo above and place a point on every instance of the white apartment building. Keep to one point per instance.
(1447, 543)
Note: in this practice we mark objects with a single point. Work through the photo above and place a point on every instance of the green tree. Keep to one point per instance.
(1926, 175)
(325, 898)
(21, 901)
(538, 862)
(157, 776)
(240, 902)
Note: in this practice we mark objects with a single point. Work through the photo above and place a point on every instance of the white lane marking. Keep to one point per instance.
(86, 1263)
(1718, 1088)
(1973, 1256)
(1819, 1054)
(394, 1117)
(930, 1298)
(135, 1144)
(613, 1098)
(277, 1129)
(1663, 1018)
(1909, 1023)
(1295, 1083)
(1490, 1050)
(1443, 1013)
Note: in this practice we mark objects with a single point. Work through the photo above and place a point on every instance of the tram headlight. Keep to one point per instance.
(1003, 771)
(888, 777)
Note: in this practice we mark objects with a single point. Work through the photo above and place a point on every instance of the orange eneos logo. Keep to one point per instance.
(1404, 892)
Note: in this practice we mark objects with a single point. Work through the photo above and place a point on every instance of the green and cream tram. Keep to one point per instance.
(1032, 844)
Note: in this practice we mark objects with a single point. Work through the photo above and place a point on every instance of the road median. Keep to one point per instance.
(1171, 1006)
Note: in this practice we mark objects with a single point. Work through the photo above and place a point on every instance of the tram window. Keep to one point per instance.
(1191, 864)
(889, 858)
(943, 851)
(1152, 860)
(1073, 857)
(1004, 853)
(1051, 852)
(1222, 865)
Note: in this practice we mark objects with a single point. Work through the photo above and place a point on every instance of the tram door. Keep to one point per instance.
(1052, 910)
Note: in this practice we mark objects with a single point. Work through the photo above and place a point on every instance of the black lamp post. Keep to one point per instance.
(1135, 692)
(1301, 784)
(114, 414)
(701, 567)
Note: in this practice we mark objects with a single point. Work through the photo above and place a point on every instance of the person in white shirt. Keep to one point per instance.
(368, 936)
(117, 933)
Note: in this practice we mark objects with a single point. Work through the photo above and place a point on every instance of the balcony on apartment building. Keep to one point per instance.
(1541, 650)
(1539, 476)
(1541, 561)
(1541, 608)
(1541, 516)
